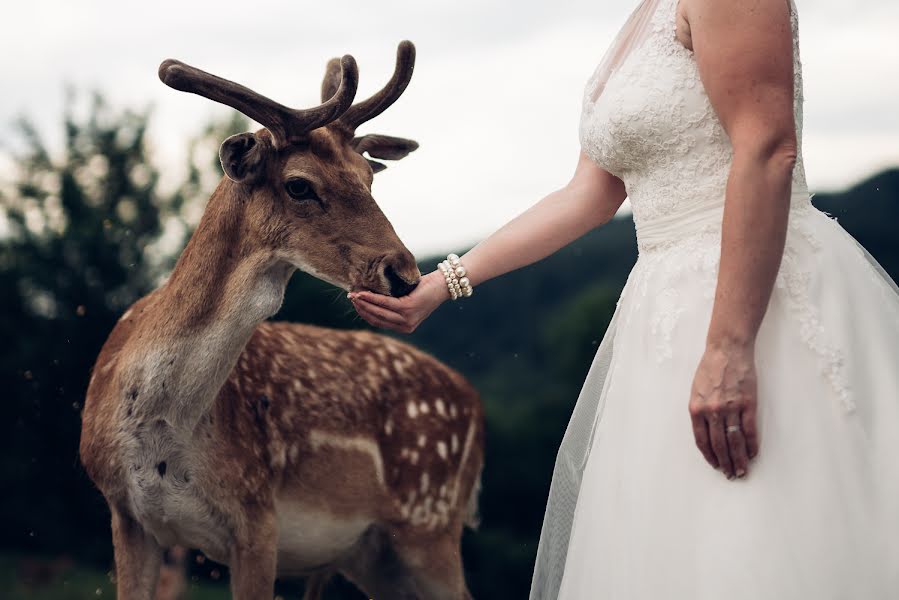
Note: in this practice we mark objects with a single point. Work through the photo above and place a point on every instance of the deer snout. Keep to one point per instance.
(401, 273)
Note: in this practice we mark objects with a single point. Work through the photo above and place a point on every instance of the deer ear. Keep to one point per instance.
(243, 157)
(385, 147)
(376, 167)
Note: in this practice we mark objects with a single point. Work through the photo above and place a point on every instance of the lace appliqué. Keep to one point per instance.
(667, 266)
(795, 283)
(670, 310)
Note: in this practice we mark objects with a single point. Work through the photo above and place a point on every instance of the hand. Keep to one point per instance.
(406, 313)
(724, 395)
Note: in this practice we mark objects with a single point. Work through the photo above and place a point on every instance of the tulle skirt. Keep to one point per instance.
(816, 517)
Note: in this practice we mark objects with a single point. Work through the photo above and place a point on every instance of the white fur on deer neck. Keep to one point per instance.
(177, 374)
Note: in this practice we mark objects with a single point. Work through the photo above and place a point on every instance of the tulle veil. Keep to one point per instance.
(575, 446)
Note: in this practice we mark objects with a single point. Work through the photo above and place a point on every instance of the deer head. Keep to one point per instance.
(302, 185)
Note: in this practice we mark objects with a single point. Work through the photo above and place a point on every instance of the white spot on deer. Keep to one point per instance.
(454, 443)
(297, 385)
(452, 410)
(442, 509)
(422, 439)
(400, 367)
(126, 315)
(441, 449)
(441, 408)
(413, 458)
(469, 436)
(412, 409)
(294, 452)
(310, 374)
(442, 490)
(384, 372)
(279, 458)
(424, 482)
(388, 426)
(380, 352)
(404, 452)
(364, 445)
(424, 408)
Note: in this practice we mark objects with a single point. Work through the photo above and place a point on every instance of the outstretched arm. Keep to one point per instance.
(590, 199)
(745, 56)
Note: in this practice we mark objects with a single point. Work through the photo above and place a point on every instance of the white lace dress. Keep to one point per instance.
(816, 516)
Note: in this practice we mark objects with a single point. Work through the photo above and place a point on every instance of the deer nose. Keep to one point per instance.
(401, 285)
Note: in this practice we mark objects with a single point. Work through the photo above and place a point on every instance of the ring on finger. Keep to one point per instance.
(732, 429)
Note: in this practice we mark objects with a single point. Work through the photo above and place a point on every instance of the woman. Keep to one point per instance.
(737, 435)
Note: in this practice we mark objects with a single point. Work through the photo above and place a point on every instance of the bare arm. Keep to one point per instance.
(590, 198)
(745, 56)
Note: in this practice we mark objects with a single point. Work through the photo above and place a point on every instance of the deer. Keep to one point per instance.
(280, 449)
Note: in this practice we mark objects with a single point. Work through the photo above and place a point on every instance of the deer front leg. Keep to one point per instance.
(254, 559)
(137, 559)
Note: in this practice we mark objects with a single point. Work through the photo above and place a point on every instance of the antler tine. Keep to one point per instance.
(330, 82)
(285, 124)
(378, 103)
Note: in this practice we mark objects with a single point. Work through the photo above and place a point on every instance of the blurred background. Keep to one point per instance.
(104, 172)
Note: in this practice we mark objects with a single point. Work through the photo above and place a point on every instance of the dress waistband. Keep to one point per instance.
(667, 230)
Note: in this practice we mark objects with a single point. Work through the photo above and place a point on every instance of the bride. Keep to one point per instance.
(737, 435)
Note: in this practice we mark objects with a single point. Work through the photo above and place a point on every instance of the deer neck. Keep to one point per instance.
(198, 323)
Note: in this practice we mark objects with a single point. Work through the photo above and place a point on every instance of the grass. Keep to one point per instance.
(62, 581)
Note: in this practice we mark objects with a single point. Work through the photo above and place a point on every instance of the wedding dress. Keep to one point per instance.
(634, 511)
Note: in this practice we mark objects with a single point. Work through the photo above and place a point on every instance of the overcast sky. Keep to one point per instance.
(494, 102)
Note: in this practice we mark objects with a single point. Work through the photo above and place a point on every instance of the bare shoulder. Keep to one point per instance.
(729, 13)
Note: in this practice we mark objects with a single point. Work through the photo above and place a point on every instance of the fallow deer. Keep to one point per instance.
(283, 449)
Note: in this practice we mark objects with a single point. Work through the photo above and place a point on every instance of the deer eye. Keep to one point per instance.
(300, 189)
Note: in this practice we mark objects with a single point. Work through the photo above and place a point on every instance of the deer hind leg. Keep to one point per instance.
(253, 561)
(376, 569)
(314, 586)
(137, 558)
(435, 565)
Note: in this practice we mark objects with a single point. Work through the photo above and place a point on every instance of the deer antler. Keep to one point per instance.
(378, 103)
(285, 124)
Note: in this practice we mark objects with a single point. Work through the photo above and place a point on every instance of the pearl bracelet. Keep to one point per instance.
(454, 273)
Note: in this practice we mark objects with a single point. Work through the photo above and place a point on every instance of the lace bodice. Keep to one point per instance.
(654, 127)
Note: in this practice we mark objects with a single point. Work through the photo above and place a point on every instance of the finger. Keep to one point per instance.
(388, 302)
(736, 443)
(376, 321)
(701, 435)
(381, 313)
(750, 430)
(719, 443)
(380, 321)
